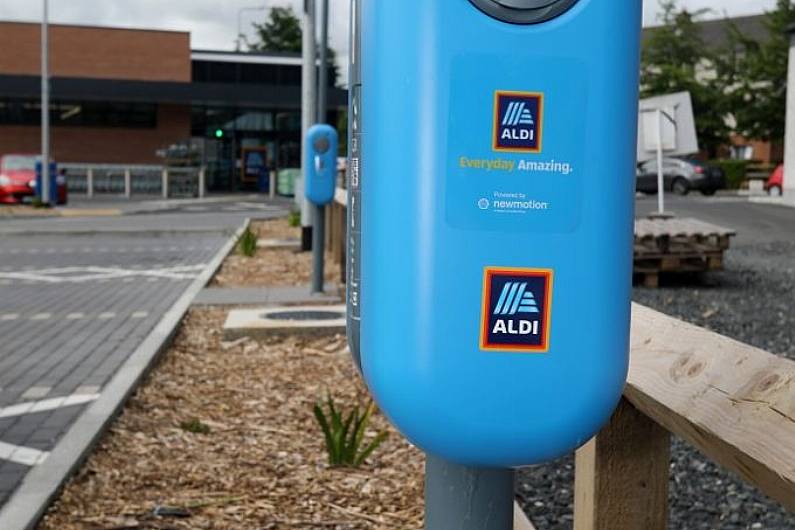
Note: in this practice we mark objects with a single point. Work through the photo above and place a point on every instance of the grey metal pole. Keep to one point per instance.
(308, 112)
(660, 176)
(318, 249)
(45, 105)
(319, 223)
(322, 91)
(459, 497)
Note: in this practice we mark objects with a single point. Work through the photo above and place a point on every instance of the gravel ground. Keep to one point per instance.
(269, 267)
(751, 301)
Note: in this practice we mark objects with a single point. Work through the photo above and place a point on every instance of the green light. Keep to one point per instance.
(219, 133)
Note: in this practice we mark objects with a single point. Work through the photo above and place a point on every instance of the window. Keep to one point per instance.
(80, 113)
(246, 73)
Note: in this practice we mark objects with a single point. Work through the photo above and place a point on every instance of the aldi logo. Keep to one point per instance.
(516, 309)
(518, 121)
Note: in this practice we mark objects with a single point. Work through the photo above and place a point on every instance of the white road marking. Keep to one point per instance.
(41, 316)
(107, 315)
(44, 405)
(91, 273)
(75, 316)
(36, 392)
(22, 455)
(140, 314)
(9, 316)
(86, 390)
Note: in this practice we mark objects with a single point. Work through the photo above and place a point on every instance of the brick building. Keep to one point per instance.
(128, 96)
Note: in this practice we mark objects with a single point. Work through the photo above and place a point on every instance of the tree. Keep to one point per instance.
(281, 32)
(759, 93)
(675, 58)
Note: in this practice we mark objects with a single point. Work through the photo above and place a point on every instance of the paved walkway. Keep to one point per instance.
(77, 298)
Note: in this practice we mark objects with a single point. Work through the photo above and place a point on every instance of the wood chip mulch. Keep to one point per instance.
(262, 463)
(271, 267)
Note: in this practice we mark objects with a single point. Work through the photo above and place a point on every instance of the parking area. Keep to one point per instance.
(77, 297)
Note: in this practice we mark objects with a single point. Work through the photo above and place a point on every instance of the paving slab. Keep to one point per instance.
(286, 295)
(265, 322)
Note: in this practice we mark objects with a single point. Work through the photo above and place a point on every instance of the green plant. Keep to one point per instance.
(345, 437)
(195, 425)
(248, 243)
(294, 219)
(735, 171)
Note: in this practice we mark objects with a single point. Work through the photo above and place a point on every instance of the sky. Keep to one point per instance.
(213, 23)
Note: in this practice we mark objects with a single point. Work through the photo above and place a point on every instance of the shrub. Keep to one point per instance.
(195, 425)
(735, 170)
(294, 219)
(248, 243)
(345, 437)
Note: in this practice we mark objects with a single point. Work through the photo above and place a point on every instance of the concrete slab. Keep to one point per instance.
(279, 244)
(283, 295)
(266, 322)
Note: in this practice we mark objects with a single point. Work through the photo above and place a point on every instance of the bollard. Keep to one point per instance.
(127, 183)
(202, 181)
(164, 185)
(90, 183)
(272, 187)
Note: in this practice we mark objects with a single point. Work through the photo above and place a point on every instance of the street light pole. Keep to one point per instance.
(308, 112)
(45, 105)
(322, 94)
(660, 175)
(319, 222)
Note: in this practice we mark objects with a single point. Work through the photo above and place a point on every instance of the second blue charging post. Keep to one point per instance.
(321, 145)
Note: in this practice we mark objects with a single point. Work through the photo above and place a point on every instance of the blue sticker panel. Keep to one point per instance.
(515, 162)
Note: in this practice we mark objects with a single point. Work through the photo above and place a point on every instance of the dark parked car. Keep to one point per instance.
(681, 177)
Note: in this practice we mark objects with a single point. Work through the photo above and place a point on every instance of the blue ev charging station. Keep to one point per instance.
(322, 143)
(320, 150)
(491, 202)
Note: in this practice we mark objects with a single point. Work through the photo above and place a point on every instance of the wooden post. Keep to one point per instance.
(329, 213)
(621, 480)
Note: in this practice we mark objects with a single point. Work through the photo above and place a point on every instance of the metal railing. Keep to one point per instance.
(128, 180)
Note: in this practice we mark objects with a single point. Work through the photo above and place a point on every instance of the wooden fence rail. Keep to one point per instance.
(734, 402)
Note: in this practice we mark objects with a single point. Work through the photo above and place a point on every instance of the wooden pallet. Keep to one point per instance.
(675, 245)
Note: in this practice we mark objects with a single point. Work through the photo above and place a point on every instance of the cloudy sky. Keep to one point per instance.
(213, 23)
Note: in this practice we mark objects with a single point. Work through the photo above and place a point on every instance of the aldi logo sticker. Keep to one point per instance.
(518, 121)
(516, 309)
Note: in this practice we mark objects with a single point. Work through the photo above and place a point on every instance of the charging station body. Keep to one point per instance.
(491, 206)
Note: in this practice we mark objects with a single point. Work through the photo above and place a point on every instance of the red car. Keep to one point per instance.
(18, 179)
(775, 184)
